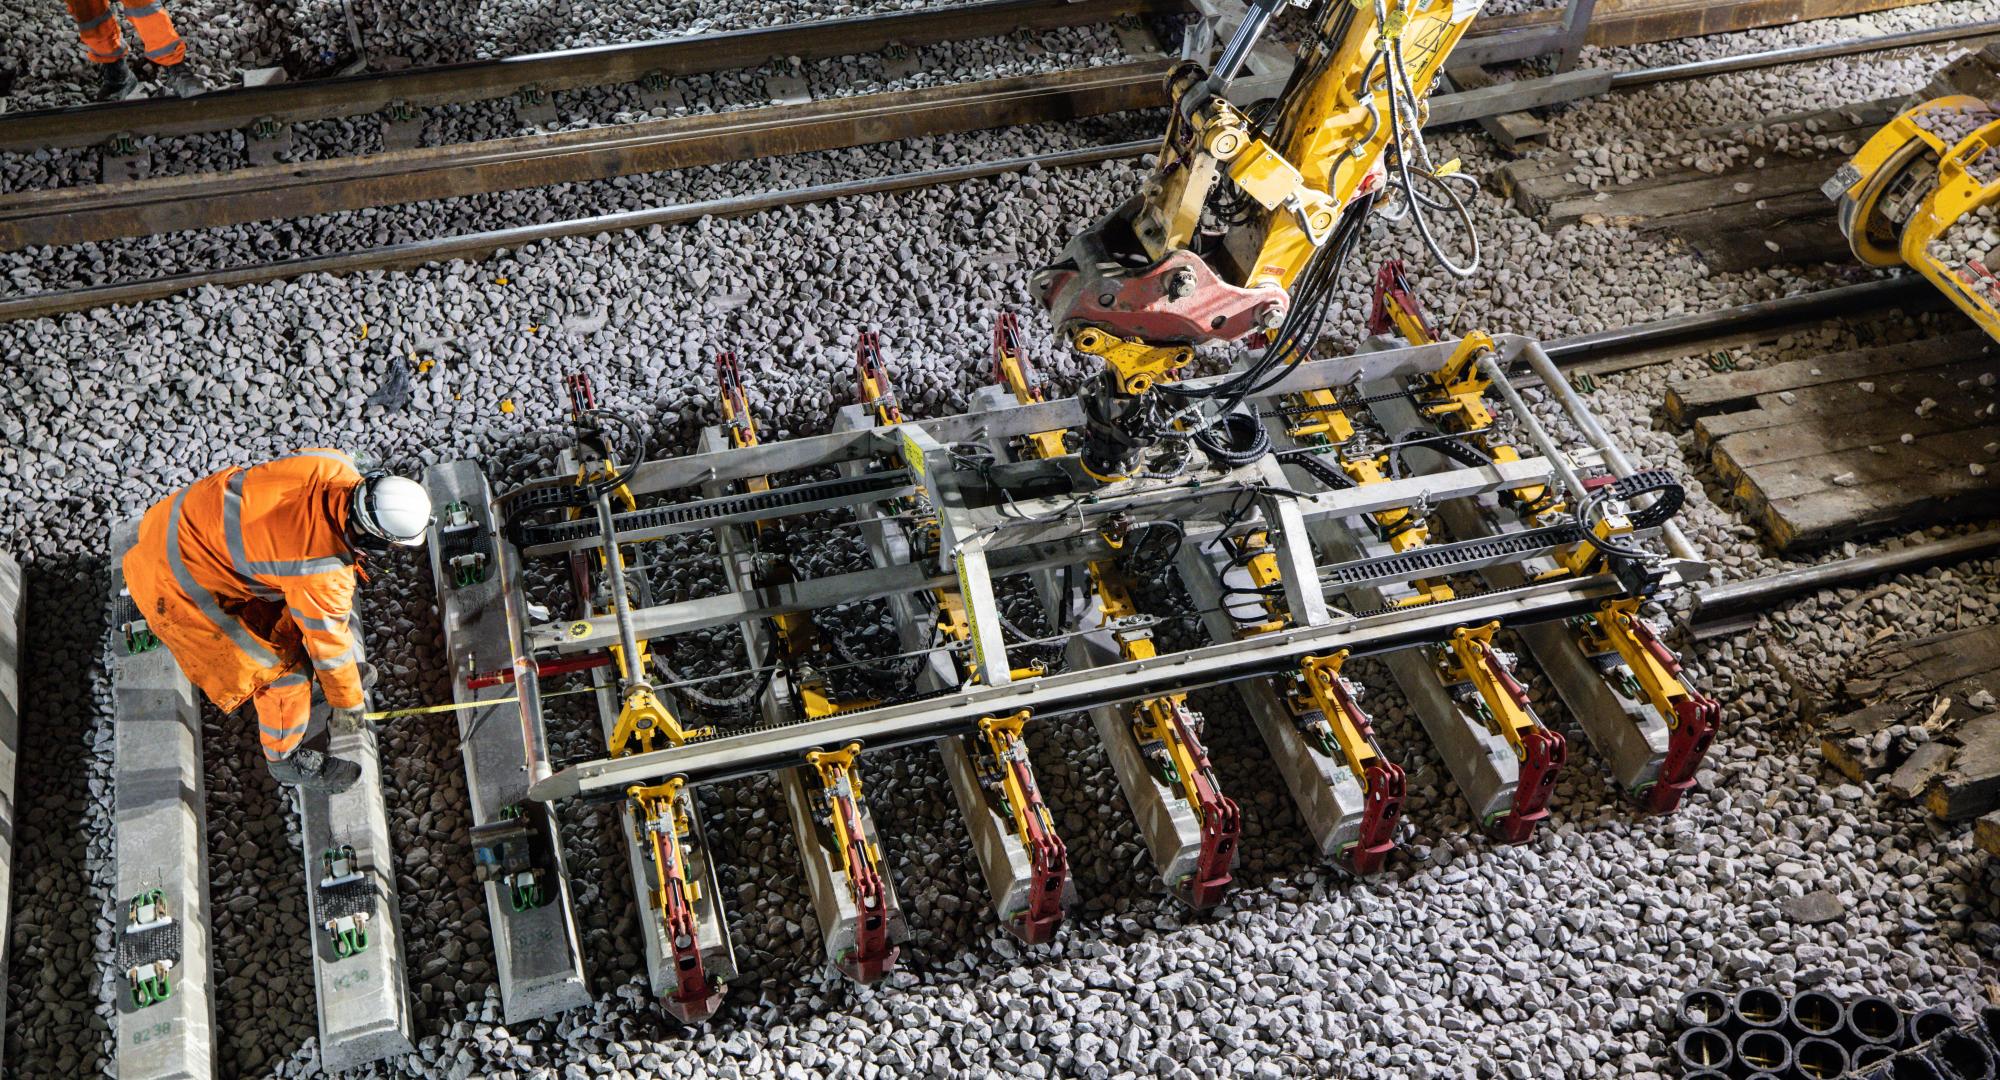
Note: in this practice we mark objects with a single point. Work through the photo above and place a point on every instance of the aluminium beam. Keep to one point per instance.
(364, 998)
(159, 842)
(755, 752)
(1003, 860)
(537, 952)
(718, 953)
(1627, 733)
(1330, 798)
(788, 455)
(834, 910)
(13, 625)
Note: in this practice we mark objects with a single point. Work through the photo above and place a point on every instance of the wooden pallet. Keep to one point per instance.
(1731, 219)
(1813, 450)
(1948, 685)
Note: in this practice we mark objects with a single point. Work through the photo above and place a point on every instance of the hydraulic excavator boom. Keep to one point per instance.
(1240, 232)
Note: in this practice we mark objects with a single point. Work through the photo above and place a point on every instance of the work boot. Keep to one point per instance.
(114, 81)
(310, 770)
(180, 82)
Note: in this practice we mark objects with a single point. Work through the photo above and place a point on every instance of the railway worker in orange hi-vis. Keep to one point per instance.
(97, 24)
(248, 576)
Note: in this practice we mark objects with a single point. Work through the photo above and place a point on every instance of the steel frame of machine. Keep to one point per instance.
(1332, 547)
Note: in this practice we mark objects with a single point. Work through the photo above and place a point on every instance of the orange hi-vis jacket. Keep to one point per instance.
(246, 574)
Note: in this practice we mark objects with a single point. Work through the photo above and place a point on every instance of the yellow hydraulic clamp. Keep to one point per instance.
(1692, 717)
(1165, 730)
(1383, 784)
(663, 825)
(840, 789)
(1012, 370)
(1469, 657)
(1048, 859)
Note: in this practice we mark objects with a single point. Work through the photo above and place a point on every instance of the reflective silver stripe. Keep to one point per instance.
(205, 600)
(164, 50)
(296, 678)
(95, 23)
(334, 663)
(281, 734)
(232, 531)
(141, 12)
(324, 626)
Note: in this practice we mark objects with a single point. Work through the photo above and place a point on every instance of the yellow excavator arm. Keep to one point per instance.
(1239, 231)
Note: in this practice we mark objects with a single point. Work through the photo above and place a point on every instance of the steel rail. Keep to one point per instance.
(607, 65)
(1640, 22)
(1904, 289)
(1867, 296)
(1719, 603)
(1495, 39)
(65, 216)
(1724, 65)
(480, 244)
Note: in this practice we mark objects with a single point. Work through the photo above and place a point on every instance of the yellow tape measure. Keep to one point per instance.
(426, 710)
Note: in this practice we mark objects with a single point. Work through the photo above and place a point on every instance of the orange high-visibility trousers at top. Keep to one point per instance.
(247, 577)
(97, 23)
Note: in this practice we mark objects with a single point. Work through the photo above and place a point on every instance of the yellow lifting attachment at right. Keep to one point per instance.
(1924, 192)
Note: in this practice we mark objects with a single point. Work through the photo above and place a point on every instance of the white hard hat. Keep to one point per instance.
(392, 508)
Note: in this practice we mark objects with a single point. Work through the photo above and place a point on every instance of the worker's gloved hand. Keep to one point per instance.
(346, 721)
(368, 674)
(310, 770)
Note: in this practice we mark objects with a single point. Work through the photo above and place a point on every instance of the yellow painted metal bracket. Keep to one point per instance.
(1003, 737)
(1136, 365)
(1320, 676)
(840, 780)
(1612, 629)
(1474, 661)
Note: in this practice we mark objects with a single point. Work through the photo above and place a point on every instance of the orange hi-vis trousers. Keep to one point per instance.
(247, 578)
(97, 22)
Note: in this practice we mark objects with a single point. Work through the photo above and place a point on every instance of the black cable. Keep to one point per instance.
(1650, 482)
(1235, 438)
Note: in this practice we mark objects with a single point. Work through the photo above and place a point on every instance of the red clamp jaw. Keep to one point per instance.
(1692, 727)
(1221, 825)
(1049, 861)
(872, 389)
(1547, 752)
(696, 996)
(1382, 808)
(1394, 298)
(1384, 787)
(871, 957)
(1698, 717)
